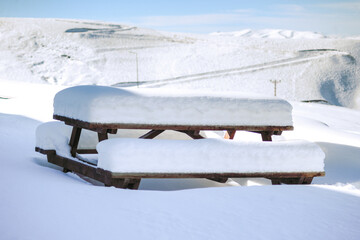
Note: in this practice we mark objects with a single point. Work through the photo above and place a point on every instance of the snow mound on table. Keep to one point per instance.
(208, 156)
(100, 104)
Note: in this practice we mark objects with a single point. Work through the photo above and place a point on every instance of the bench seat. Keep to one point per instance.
(126, 157)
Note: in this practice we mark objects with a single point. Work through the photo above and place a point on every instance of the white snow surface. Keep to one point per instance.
(39, 201)
(101, 104)
(125, 155)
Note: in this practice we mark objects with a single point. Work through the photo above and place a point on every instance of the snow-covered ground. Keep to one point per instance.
(37, 201)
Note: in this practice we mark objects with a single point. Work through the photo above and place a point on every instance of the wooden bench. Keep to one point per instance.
(104, 110)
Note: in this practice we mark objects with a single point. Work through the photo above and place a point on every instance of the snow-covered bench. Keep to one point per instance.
(292, 161)
(97, 111)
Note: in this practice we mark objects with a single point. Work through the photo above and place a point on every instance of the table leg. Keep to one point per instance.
(74, 140)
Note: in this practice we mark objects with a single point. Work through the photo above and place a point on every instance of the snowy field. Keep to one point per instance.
(41, 57)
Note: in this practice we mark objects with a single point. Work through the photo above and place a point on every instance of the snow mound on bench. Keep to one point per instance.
(56, 136)
(208, 156)
(100, 104)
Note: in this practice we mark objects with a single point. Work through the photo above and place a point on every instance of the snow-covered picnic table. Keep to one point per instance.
(123, 162)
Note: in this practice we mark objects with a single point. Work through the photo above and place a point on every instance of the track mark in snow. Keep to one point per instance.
(303, 56)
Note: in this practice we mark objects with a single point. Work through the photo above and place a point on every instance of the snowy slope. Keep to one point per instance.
(71, 52)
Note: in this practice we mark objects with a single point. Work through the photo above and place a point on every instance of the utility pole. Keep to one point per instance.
(137, 68)
(275, 82)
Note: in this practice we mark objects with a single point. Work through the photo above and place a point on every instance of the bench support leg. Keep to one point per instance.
(152, 134)
(102, 136)
(266, 136)
(192, 134)
(230, 134)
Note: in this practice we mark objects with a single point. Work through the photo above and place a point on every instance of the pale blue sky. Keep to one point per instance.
(200, 16)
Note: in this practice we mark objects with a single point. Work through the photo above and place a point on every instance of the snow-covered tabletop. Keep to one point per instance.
(101, 104)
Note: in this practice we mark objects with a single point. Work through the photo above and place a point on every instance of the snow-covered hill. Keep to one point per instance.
(71, 52)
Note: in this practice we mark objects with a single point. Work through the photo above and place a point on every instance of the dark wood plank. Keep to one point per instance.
(93, 172)
(87, 151)
(99, 127)
(269, 175)
(81, 168)
(80, 151)
(42, 151)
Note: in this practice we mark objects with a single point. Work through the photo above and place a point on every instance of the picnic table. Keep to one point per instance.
(104, 111)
